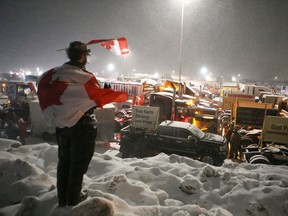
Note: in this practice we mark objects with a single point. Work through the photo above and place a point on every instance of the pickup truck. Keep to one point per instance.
(174, 137)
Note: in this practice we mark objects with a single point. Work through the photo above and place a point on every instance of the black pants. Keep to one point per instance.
(75, 150)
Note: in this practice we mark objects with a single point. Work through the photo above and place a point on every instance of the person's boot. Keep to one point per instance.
(83, 195)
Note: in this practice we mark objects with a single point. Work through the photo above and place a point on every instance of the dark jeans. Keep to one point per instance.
(75, 151)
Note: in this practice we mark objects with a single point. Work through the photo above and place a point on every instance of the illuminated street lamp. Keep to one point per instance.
(110, 66)
(204, 71)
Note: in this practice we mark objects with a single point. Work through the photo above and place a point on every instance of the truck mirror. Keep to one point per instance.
(191, 138)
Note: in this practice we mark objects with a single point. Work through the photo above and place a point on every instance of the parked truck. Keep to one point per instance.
(273, 146)
(174, 137)
(186, 109)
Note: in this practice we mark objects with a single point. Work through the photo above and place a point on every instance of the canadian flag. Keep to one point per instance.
(66, 92)
(118, 46)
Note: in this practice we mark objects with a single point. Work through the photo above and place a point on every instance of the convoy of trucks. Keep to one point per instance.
(178, 122)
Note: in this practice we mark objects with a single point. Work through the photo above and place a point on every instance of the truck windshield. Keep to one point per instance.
(197, 132)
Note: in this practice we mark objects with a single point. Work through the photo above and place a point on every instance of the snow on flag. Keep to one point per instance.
(118, 46)
(66, 92)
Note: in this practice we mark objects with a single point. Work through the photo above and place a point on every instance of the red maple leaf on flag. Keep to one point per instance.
(50, 90)
(108, 45)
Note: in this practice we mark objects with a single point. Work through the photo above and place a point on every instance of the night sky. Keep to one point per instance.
(228, 37)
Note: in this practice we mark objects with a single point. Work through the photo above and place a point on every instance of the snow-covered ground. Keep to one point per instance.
(158, 186)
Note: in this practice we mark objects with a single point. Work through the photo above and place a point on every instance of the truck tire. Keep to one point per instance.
(207, 158)
(259, 159)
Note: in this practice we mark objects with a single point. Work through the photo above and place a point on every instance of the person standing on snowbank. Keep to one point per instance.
(22, 131)
(68, 95)
(235, 149)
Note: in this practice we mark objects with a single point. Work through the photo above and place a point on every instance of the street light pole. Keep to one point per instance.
(181, 40)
